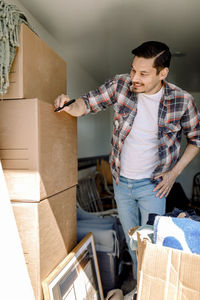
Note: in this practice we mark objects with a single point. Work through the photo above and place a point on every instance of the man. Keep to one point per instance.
(150, 115)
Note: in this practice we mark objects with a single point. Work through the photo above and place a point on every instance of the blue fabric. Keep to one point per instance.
(90, 224)
(105, 240)
(135, 201)
(85, 215)
(177, 233)
(105, 231)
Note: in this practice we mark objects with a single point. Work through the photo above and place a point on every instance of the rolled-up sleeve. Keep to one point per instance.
(191, 123)
(101, 98)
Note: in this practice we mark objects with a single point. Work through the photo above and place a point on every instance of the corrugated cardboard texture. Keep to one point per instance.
(167, 274)
(38, 149)
(48, 233)
(37, 71)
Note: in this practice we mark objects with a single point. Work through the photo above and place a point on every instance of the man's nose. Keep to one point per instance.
(135, 77)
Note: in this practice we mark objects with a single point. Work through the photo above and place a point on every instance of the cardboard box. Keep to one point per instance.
(167, 274)
(48, 233)
(38, 149)
(37, 71)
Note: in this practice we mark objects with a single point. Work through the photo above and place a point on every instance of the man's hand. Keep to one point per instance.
(60, 101)
(77, 109)
(167, 181)
(168, 178)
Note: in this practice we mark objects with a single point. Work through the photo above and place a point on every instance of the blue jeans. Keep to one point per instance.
(135, 201)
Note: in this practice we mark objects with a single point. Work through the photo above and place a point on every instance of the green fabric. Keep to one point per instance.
(10, 20)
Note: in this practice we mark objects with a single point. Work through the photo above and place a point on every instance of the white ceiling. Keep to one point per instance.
(102, 33)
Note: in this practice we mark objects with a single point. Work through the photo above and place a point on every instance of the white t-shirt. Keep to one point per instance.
(139, 154)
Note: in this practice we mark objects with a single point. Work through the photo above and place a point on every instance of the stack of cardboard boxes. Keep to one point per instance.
(38, 151)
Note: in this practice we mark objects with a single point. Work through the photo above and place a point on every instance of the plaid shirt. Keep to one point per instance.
(177, 112)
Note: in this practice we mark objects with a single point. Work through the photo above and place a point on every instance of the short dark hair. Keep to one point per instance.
(156, 49)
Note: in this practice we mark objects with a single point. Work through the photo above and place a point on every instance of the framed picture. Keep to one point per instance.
(77, 277)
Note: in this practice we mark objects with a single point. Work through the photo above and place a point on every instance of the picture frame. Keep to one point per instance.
(77, 277)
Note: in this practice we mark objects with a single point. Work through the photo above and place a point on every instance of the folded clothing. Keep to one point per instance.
(177, 233)
(146, 232)
(107, 232)
(179, 213)
(105, 240)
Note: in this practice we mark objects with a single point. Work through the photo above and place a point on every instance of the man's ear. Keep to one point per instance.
(163, 73)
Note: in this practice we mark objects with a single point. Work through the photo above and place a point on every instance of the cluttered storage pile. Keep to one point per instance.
(168, 250)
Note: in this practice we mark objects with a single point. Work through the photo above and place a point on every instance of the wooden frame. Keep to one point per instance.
(77, 277)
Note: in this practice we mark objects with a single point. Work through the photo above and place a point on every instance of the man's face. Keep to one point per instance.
(144, 76)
